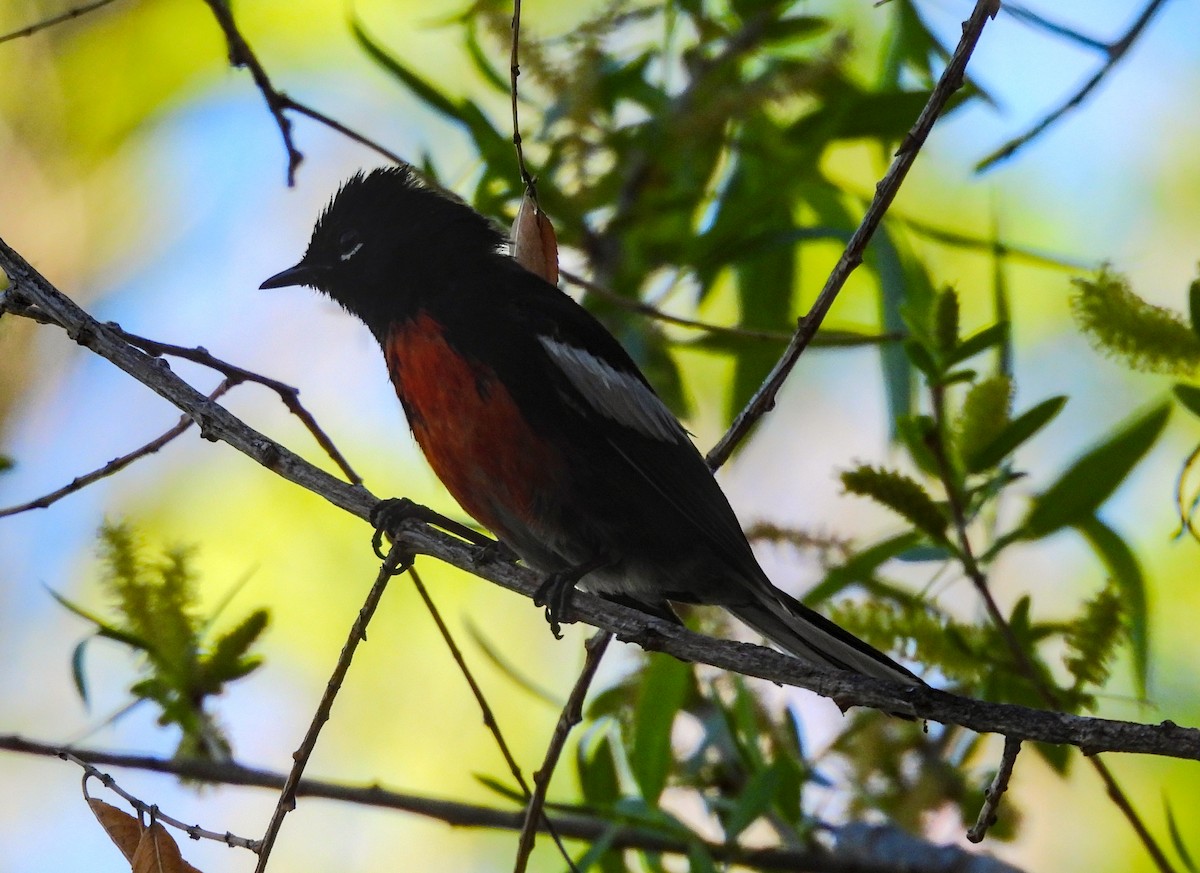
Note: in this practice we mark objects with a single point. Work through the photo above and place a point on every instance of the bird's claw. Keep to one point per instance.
(387, 516)
(555, 594)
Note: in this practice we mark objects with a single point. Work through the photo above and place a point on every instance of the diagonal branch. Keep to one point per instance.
(113, 466)
(1115, 51)
(393, 564)
(572, 714)
(69, 15)
(218, 424)
(951, 80)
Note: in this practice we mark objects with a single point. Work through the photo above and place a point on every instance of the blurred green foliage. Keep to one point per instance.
(183, 664)
(683, 151)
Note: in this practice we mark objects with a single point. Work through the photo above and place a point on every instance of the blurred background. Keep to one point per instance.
(144, 176)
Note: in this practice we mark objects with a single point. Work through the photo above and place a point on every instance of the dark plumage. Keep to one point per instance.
(538, 421)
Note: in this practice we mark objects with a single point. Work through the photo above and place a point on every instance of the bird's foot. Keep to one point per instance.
(555, 594)
(556, 591)
(493, 551)
(388, 515)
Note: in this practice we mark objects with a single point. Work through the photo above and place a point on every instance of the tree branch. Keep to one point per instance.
(951, 80)
(70, 14)
(393, 564)
(1115, 51)
(848, 689)
(573, 825)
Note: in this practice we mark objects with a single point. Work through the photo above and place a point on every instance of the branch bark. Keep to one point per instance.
(1092, 735)
(855, 851)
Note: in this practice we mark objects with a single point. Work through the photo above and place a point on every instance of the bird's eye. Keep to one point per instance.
(349, 244)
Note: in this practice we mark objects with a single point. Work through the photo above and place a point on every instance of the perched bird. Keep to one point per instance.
(540, 424)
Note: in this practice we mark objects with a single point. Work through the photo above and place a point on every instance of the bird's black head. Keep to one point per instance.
(384, 241)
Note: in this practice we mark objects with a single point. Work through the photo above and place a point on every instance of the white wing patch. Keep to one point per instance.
(620, 396)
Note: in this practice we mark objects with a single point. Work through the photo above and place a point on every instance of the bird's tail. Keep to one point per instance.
(811, 637)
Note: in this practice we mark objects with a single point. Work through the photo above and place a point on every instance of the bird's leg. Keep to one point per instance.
(388, 515)
(555, 592)
(494, 550)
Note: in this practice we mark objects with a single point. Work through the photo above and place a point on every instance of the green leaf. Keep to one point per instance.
(1093, 478)
(1126, 572)
(922, 359)
(597, 768)
(894, 286)
(899, 493)
(699, 859)
(508, 792)
(996, 335)
(1013, 435)
(227, 659)
(1181, 848)
(665, 684)
(755, 799)
(1189, 396)
(795, 28)
(103, 628)
(861, 567)
(916, 432)
(77, 670)
(425, 92)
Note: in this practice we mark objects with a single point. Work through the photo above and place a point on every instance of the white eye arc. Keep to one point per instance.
(349, 245)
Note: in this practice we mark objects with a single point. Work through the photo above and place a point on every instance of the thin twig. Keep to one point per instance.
(1115, 51)
(572, 714)
(1036, 20)
(333, 124)
(1023, 661)
(991, 797)
(55, 19)
(951, 80)
(489, 717)
(829, 338)
(195, 832)
(113, 466)
(514, 70)
(392, 565)
(574, 825)
(241, 55)
(236, 375)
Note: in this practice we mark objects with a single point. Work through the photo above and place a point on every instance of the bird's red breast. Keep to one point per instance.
(468, 425)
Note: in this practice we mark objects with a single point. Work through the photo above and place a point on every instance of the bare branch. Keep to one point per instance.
(113, 466)
(194, 831)
(241, 55)
(572, 714)
(235, 375)
(578, 826)
(514, 70)
(333, 124)
(995, 791)
(1115, 51)
(489, 717)
(393, 564)
(55, 19)
(951, 80)
(216, 423)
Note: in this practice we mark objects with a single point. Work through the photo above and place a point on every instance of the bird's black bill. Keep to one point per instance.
(301, 274)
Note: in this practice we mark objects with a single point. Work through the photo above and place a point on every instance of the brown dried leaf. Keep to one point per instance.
(158, 853)
(122, 828)
(535, 245)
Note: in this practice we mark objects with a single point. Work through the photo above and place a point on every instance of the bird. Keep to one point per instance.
(540, 424)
